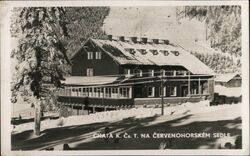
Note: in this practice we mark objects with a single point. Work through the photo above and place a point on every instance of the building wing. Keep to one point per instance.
(226, 77)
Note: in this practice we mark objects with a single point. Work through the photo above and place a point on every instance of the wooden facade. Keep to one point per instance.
(137, 83)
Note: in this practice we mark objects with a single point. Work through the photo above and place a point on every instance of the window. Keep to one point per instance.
(185, 73)
(127, 72)
(107, 92)
(90, 55)
(174, 73)
(151, 91)
(114, 93)
(90, 92)
(98, 55)
(138, 72)
(97, 92)
(181, 72)
(125, 92)
(151, 72)
(84, 92)
(89, 71)
(164, 91)
(173, 90)
(170, 73)
(142, 51)
(163, 72)
(154, 52)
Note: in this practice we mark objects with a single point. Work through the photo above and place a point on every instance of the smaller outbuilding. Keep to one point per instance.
(229, 80)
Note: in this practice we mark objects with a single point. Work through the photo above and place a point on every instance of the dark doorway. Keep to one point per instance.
(138, 91)
(184, 91)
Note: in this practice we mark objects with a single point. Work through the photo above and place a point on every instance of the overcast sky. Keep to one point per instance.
(152, 22)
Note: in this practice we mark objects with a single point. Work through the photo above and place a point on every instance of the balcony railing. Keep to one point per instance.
(122, 92)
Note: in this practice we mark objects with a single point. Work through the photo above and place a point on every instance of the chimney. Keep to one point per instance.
(121, 38)
(110, 37)
(144, 40)
(133, 39)
(149, 40)
(156, 41)
(166, 42)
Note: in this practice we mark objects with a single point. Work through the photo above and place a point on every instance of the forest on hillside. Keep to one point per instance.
(223, 24)
(219, 63)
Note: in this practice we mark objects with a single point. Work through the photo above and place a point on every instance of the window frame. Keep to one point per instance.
(153, 91)
(175, 91)
(98, 55)
(140, 73)
(90, 55)
(124, 93)
(127, 72)
(151, 72)
(88, 71)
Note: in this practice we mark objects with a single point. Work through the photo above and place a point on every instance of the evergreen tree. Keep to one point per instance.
(40, 53)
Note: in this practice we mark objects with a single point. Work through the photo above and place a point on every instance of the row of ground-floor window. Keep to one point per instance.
(170, 89)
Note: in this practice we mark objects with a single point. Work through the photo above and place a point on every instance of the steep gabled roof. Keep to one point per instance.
(226, 77)
(118, 50)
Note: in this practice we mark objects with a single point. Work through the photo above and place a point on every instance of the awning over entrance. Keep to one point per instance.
(89, 80)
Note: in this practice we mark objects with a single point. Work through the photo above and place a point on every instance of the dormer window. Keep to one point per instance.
(154, 52)
(165, 52)
(142, 51)
(130, 50)
(176, 53)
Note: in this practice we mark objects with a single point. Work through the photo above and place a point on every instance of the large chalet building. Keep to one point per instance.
(122, 72)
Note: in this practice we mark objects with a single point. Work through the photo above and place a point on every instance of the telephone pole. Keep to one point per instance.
(162, 92)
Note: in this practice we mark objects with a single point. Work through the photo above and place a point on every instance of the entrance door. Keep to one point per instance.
(184, 91)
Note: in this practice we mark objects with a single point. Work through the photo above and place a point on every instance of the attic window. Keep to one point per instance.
(154, 52)
(130, 50)
(176, 53)
(165, 52)
(142, 51)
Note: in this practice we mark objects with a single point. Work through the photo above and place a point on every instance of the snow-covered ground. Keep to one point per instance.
(231, 112)
(22, 109)
(78, 131)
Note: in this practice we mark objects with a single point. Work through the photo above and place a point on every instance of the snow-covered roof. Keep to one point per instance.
(226, 77)
(118, 50)
(89, 80)
(222, 90)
